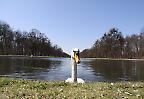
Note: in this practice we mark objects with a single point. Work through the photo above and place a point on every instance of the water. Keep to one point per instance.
(59, 69)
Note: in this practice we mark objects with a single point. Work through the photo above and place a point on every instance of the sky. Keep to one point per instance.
(74, 23)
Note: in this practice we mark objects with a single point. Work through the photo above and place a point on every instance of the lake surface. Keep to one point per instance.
(58, 69)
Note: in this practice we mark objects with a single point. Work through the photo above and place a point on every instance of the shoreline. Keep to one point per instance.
(31, 56)
(115, 59)
(134, 59)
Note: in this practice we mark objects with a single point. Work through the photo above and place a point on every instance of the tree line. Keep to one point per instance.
(114, 45)
(26, 43)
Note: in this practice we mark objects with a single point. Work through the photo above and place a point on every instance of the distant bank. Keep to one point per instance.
(34, 56)
(116, 59)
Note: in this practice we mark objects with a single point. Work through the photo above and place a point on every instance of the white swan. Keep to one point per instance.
(75, 60)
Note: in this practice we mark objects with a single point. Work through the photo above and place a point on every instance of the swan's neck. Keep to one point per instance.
(74, 71)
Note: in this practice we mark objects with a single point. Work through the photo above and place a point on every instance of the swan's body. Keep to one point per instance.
(79, 80)
(75, 60)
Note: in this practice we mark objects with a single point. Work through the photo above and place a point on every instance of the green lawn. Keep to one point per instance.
(27, 89)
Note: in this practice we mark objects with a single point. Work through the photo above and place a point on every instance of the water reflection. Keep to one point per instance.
(61, 72)
(24, 67)
(118, 70)
(90, 70)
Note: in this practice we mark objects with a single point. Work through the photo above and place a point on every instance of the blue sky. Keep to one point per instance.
(74, 23)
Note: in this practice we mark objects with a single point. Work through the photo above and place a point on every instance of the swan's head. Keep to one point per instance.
(75, 55)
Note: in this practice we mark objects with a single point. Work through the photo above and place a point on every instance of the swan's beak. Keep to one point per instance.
(77, 58)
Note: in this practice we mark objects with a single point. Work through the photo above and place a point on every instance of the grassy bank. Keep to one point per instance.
(36, 90)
